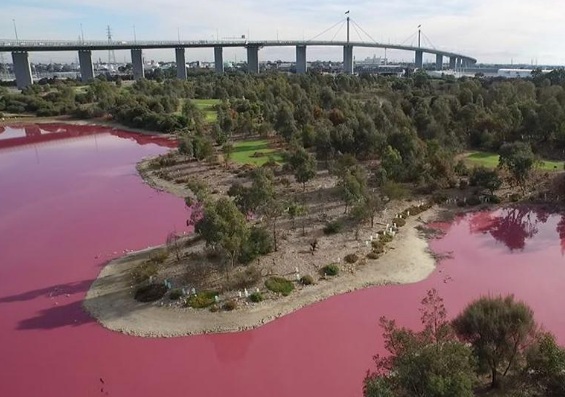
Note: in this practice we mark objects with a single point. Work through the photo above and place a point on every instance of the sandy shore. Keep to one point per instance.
(110, 298)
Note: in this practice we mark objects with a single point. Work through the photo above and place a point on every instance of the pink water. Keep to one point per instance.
(70, 200)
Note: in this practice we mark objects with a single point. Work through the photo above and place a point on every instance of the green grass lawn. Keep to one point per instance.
(207, 107)
(490, 160)
(244, 150)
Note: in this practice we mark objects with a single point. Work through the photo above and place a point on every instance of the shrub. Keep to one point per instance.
(373, 255)
(144, 271)
(259, 242)
(461, 168)
(307, 280)
(175, 294)
(333, 227)
(385, 238)
(280, 285)
(256, 297)
(230, 305)
(439, 198)
(473, 200)
(494, 199)
(330, 270)
(461, 203)
(351, 258)
(378, 246)
(400, 222)
(515, 197)
(245, 279)
(202, 299)
(463, 184)
(150, 293)
(159, 256)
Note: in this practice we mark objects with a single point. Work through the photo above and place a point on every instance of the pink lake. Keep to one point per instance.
(71, 199)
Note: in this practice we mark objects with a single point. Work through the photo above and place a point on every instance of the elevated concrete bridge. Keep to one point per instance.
(20, 53)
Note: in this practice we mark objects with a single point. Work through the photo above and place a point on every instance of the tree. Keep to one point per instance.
(174, 244)
(303, 164)
(273, 210)
(360, 214)
(430, 363)
(518, 159)
(499, 329)
(223, 225)
(352, 186)
(227, 150)
(485, 178)
(545, 370)
(374, 205)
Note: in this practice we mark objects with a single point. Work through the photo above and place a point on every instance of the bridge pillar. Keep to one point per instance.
(452, 63)
(86, 68)
(419, 59)
(181, 63)
(22, 69)
(458, 63)
(219, 59)
(252, 59)
(301, 59)
(137, 63)
(439, 62)
(348, 59)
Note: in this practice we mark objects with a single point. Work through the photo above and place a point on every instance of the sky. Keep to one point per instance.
(492, 31)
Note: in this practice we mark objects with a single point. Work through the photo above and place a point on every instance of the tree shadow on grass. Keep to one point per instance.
(250, 148)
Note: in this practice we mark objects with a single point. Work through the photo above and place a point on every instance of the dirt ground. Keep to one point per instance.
(405, 260)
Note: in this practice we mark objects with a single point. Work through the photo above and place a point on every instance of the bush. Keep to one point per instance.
(494, 199)
(259, 242)
(351, 258)
(307, 280)
(230, 305)
(473, 200)
(333, 227)
(378, 246)
(385, 238)
(159, 256)
(373, 255)
(256, 297)
(461, 168)
(439, 198)
(280, 285)
(463, 184)
(461, 203)
(400, 222)
(150, 293)
(202, 299)
(515, 197)
(330, 270)
(245, 279)
(144, 271)
(175, 294)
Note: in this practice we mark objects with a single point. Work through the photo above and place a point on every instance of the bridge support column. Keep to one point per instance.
(458, 64)
(452, 63)
(252, 59)
(348, 59)
(137, 63)
(301, 59)
(439, 62)
(22, 69)
(85, 63)
(219, 59)
(419, 59)
(181, 63)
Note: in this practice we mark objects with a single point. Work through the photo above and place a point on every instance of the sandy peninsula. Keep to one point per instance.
(110, 298)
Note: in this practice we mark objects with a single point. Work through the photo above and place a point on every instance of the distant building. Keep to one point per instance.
(517, 73)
